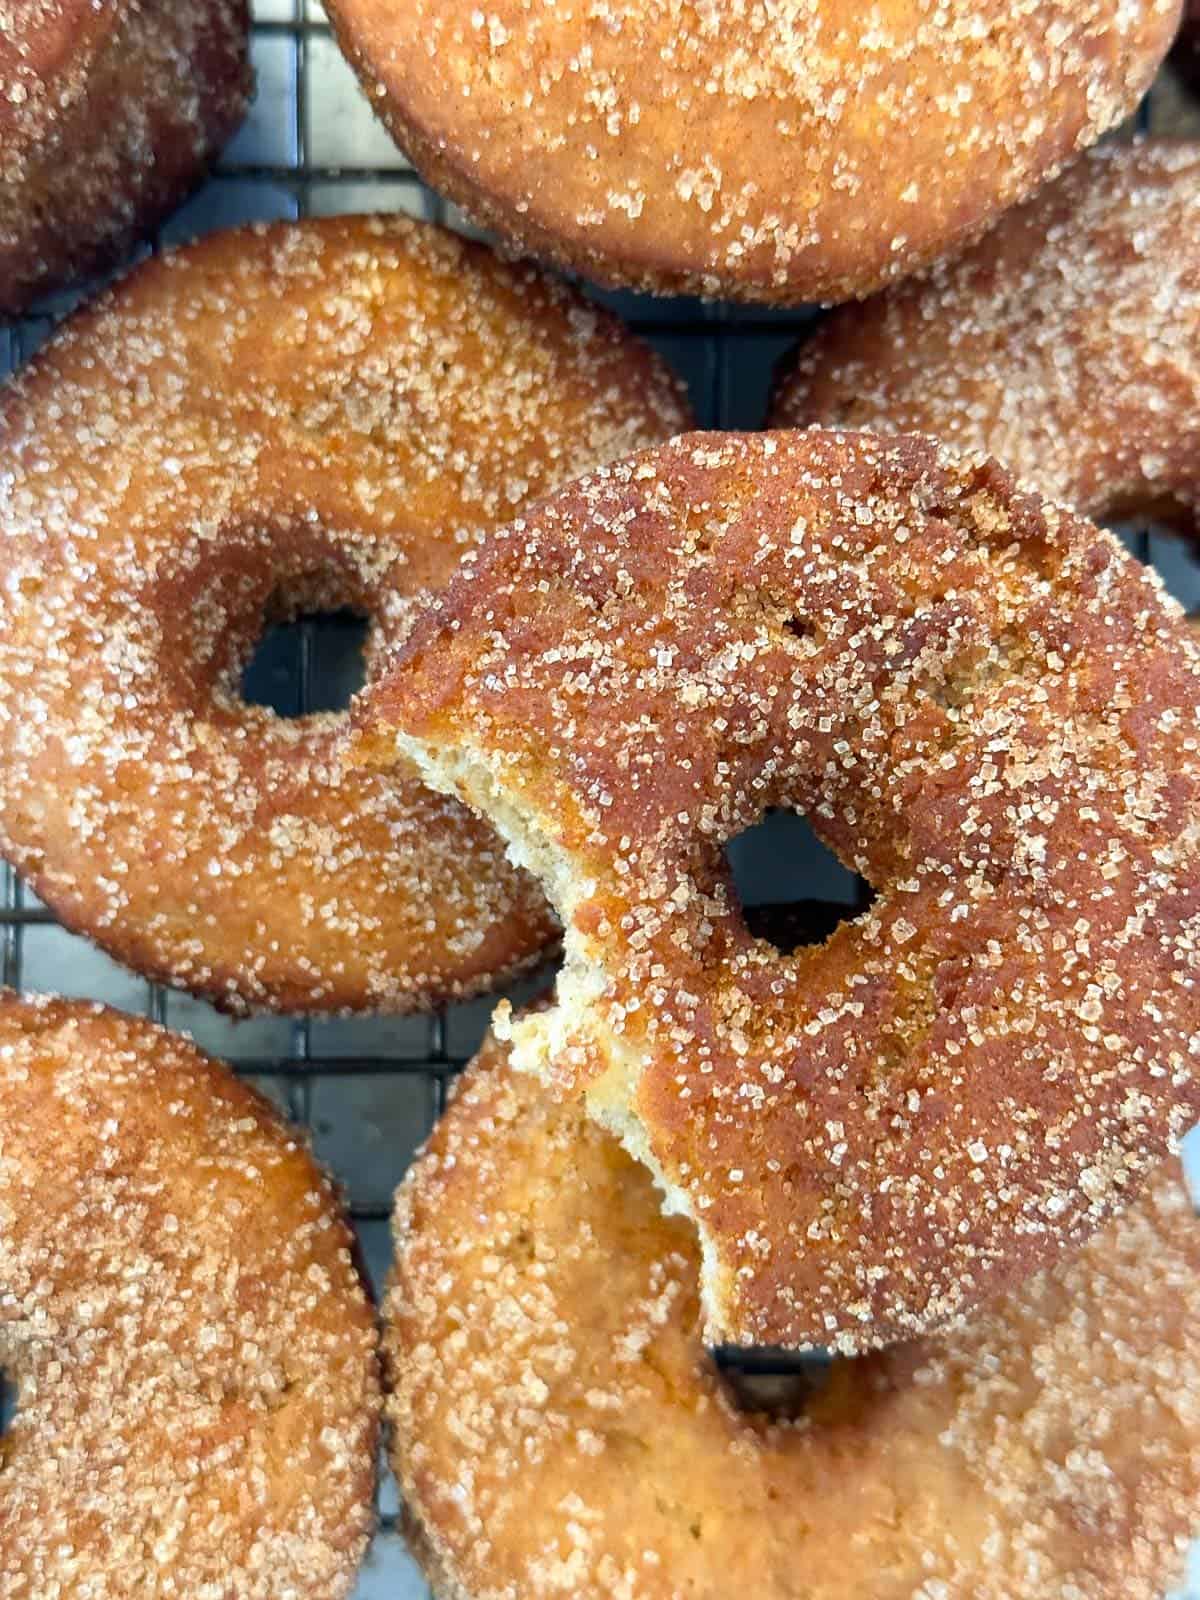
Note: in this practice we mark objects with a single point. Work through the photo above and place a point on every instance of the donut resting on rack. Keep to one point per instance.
(768, 152)
(553, 1439)
(193, 1351)
(1065, 343)
(283, 419)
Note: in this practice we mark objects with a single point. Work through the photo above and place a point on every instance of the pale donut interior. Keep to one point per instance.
(540, 1038)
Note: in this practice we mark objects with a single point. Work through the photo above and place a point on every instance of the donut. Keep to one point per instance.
(551, 1440)
(1062, 343)
(765, 152)
(298, 417)
(193, 1352)
(986, 708)
(110, 112)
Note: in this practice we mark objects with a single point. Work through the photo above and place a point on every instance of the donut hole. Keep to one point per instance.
(799, 628)
(8, 1405)
(1134, 518)
(268, 628)
(778, 1385)
(309, 663)
(796, 890)
(1167, 538)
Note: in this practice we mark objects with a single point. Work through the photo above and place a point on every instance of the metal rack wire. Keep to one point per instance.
(369, 1090)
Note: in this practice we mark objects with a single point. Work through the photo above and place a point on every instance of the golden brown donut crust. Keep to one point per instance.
(110, 112)
(1065, 343)
(559, 1429)
(305, 415)
(987, 709)
(768, 152)
(192, 1346)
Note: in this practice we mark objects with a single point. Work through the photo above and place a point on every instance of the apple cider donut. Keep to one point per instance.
(193, 1352)
(554, 1440)
(986, 708)
(1064, 343)
(109, 113)
(767, 151)
(299, 417)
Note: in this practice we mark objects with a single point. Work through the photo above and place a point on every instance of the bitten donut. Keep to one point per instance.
(110, 111)
(193, 1353)
(986, 708)
(1064, 343)
(552, 1439)
(763, 151)
(291, 418)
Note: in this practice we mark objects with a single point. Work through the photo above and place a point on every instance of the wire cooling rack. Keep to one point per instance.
(369, 1090)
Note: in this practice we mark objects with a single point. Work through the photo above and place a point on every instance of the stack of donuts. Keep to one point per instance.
(920, 1161)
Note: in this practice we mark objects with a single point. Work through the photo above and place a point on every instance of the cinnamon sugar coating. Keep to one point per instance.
(1065, 343)
(987, 709)
(192, 1347)
(110, 112)
(559, 1428)
(278, 419)
(772, 150)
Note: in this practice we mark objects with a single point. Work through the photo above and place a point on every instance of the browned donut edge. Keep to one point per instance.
(1050, 345)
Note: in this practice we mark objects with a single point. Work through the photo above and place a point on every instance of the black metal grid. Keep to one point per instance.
(283, 167)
